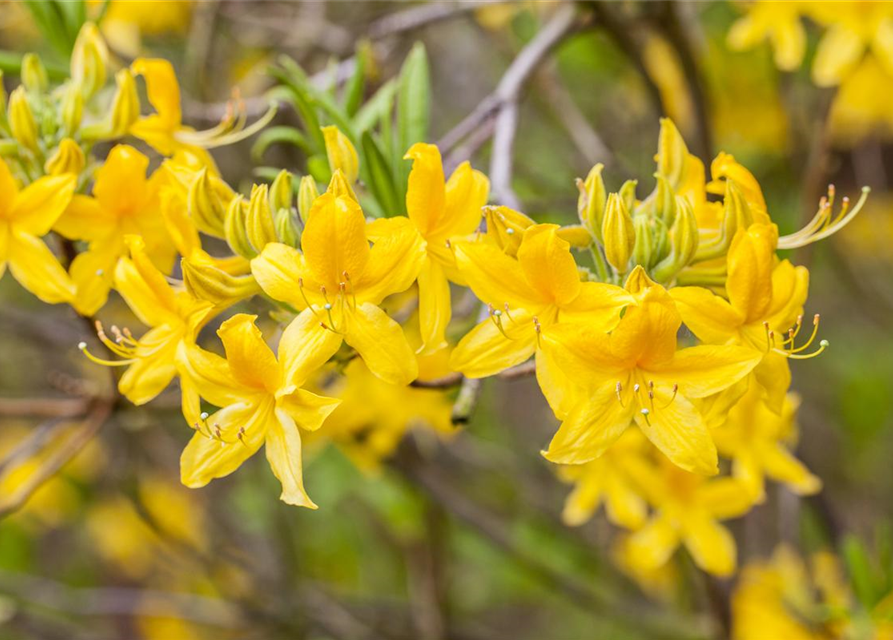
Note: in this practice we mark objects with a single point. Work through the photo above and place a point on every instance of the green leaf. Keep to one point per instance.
(414, 99)
(12, 63)
(380, 176)
(353, 90)
(377, 106)
(861, 572)
(279, 135)
(50, 21)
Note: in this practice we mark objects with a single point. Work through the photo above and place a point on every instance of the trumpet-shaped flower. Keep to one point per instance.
(765, 299)
(688, 508)
(440, 211)
(26, 215)
(261, 404)
(338, 282)
(525, 295)
(635, 373)
(124, 202)
(854, 28)
(780, 24)
(174, 316)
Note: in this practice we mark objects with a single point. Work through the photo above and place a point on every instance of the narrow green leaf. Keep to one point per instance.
(860, 571)
(414, 99)
(382, 102)
(279, 135)
(356, 84)
(380, 176)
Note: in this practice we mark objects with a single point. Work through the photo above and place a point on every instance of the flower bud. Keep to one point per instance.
(685, 235)
(341, 153)
(307, 193)
(664, 201)
(89, 59)
(2, 99)
(286, 227)
(68, 158)
(340, 187)
(234, 228)
(619, 236)
(206, 202)
(72, 109)
(259, 225)
(591, 202)
(34, 74)
(21, 120)
(207, 282)
(628, 195)
(506, 227)
(644, 247)
(126, 104)
(281, 191)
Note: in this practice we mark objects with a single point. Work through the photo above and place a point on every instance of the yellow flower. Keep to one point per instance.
(860, 108)
(765, 299)
(126, 21)
(440, 211)
(25, 215)
(687, 510)
(756, 439)
(780, 24)
(606, 480)
(262, 404)
(339, 283)
(636, 373)
(173, 315)
(525, 295)
(854, 28)
(124, 202)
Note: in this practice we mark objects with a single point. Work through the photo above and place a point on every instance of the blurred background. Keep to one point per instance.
(457, 535)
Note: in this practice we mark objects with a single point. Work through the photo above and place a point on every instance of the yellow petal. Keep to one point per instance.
(334, 241)
(582, 354)
(93, 275)
(773, 374)
(36, 268)
(562, 391)
(84, 219)
(143, 287)
(496, 278)
(37, 207)
(153, 372)
(307, 409)
(279, 270)
(789, 44)
(711, 545)
(206, 457)
(395, 260)
(590, 429)
(647, 333)
(485, 350)
(434, 306)
(837, 53)
(121, 186)
(623, 505)
(8, 187)
(209, 375)
(790, 286)
(725, 498)
(548, 264)
(162, 88)
(305, 346)
(677, 429)
(4, 246)
(751, 261)
(466, 194)
(381, 344)
(341, 153)
(707, 315)
(598, 305)
(250, 358)
(704, 370)
(426, 191)
(782, 466)
(283, 449)
(652, 546)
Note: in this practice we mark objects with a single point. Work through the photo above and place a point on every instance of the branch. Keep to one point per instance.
(454, 379)
(44, 407)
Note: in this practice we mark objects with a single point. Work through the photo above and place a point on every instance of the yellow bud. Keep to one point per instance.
(576, 235)
(206, 202)
(340, 187)
(645, 246)
(259, 225)
(34, 74)
(591, 202)
(664, 201)
(2, 99)
(672, 154)
(234, 228)
(68, 158)
(685, 237)
(628, 195)
(286, 227)
(126, 104)
(207, 282)
(307, 193)
(618, 234)
(506, 227)
(72, 109)
(281, 191)
(21, 120)
(341, 154)
(89, 60)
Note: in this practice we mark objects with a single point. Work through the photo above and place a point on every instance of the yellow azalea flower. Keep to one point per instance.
(780, 24)
(26, 215)
(126, 21)
(765, 299)
(262, 404)
(440, 210)
(339, 283)
(860, 108)
(687, 507)
(854, 28)
(757, 440)
(525, 295)
(174, 316)
(636, 373)
(124, 202)
(606, 481)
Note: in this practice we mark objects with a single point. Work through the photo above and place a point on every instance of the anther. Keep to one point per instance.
(645, 414)
(618, 390)
(510, 232)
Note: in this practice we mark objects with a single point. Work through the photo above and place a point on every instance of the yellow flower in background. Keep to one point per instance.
(758, 440)
(339, 283)
(606, 481)
(525, 295)
(861, 107)
(124, 202)
(126, 21)
(26, 215)
(853, 29)
(440, 211)
(779, 23)
(688, 508)
(635, 373)
(262, 404)
(765, 299)
(174, 316)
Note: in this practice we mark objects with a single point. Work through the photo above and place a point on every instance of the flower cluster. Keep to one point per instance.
(674, 430)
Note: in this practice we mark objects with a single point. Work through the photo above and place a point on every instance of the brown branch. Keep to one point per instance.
(44, 407)
(454, 379)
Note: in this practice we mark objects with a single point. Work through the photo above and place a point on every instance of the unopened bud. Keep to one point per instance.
(21, 120)
(89, 59)
(286, 227)
(591, 201)
(34, 74)
(281, 191)
(68, 158)
(684, 238)
(644, 249)
(628, 195)
(341, 154)
(207, 282)
(2, 99)
(234, 228)
(618, 234)
(307, 193)
(72, 109)
(664, 201)
(126, 105)
(340, 187)
(206, 202)
(259, 225)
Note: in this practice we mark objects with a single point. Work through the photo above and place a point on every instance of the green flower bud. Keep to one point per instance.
(206, 202)
(234, 228)
(207, 282)
(34, 74)
(72, 109)
(619, 236)
(259, 224)
(287, 227)
(21, 120)
(281, 191)
(89, 60)
(628, 194)
(307, 193)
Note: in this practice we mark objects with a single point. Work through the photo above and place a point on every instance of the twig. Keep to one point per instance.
(423, 16)
(44, 407)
